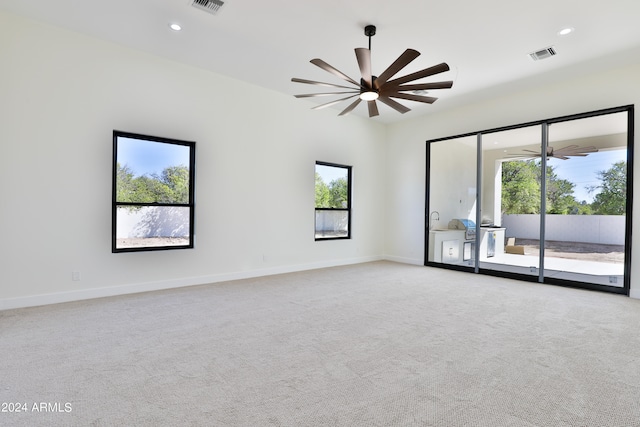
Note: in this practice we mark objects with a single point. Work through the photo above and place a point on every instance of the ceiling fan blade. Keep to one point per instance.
(423, 86)
(373, 108)
(311, 95)
(320, 63)
(569, 147)
(436, 69)
(350, 107)
(393, 104)
(410, 97)
(393, 69)
(560, 157)
(537, 153)
(363, 55)
(312, 82)
(329, 104)
(574, 150)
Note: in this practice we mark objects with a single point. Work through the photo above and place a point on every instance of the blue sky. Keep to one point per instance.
(583, 171)
(149, 157)
(329, 173)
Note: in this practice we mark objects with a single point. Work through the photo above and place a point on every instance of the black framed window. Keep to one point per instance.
(333, 201)
(153, 193)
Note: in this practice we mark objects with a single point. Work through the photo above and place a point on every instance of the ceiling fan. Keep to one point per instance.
(372, 88)
(562, 153)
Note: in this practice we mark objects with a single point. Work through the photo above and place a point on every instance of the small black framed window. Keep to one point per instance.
(333, 201)
(153, 193)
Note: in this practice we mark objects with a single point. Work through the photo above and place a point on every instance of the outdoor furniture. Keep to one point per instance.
(511, 247)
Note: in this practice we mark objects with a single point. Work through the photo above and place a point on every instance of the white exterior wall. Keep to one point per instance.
(603, 229)
(328, 221)
(152, 221)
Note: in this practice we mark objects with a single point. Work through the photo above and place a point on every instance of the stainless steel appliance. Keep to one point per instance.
(491, 244)
(469, 251)
(467, 225)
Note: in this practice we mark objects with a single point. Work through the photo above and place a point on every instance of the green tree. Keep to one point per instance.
(174, 186)
(560, 198)
(521, 190)
(334, 195)
(520, 187)
(612, 198)
(581, 208)
(171, 186)
(124, 183)
(323, 196)
(338, 189)
(145, 189)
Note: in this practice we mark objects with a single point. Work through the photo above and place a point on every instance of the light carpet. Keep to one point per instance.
(375, 344)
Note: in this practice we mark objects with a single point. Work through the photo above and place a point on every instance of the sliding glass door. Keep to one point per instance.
(452, 202)
(584, 239)
(548, 201)
(511, 186)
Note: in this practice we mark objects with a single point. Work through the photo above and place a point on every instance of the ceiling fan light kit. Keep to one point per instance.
(378, 88)
(369, 95)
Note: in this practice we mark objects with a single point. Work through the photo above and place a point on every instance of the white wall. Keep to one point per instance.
(601, 229)
(62, 95)
(576, 92)
(453, 164)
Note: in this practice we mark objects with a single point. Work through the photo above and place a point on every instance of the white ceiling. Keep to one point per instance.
(266, 43)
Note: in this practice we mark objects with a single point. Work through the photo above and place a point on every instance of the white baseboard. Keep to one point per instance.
(402, 260)
(84, 294)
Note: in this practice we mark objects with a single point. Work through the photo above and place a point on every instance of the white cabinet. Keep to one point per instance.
(486, 235)
(446, 246)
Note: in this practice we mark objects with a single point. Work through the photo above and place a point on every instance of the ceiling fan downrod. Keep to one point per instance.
(370, 31)
(368, 93)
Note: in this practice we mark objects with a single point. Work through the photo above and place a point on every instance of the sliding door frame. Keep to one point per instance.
(541, 278)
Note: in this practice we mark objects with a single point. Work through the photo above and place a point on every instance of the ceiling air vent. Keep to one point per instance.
(543, 54)
(211, 6)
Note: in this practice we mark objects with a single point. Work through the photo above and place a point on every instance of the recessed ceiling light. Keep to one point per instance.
(565, 31)
(175, 27)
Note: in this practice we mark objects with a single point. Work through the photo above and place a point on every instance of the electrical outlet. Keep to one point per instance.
(613, 279)
(75, 276)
